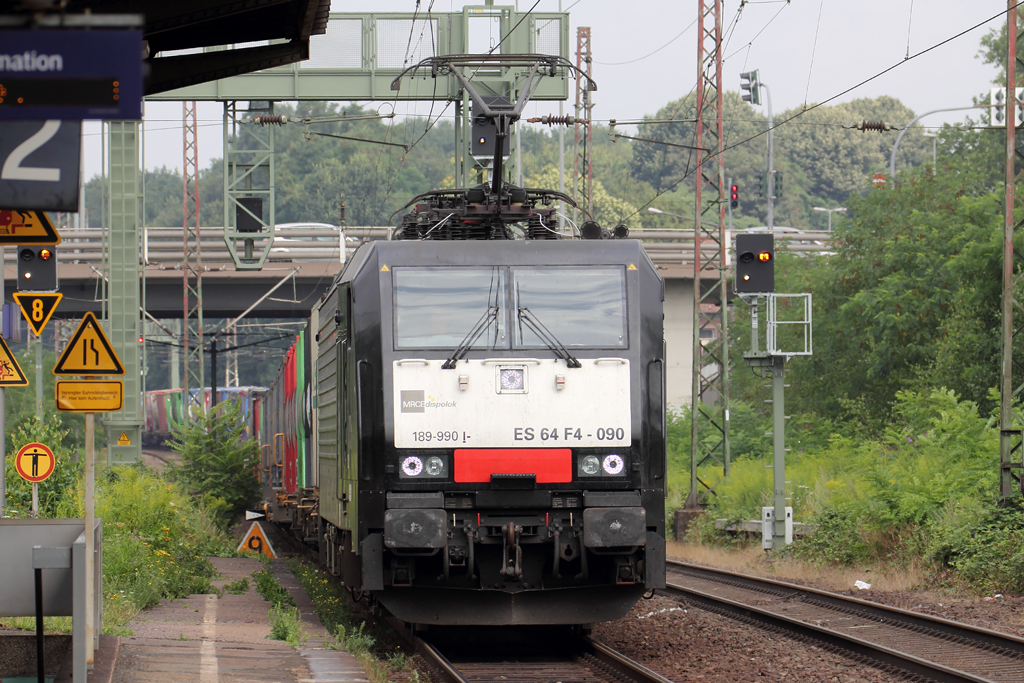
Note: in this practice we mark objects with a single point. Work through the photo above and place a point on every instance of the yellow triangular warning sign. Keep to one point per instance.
(37, 307)
(384, 269)
(27, 227)
(10, 372)
(89, 352)
(631, 266)
(255, 541)
(123, 440)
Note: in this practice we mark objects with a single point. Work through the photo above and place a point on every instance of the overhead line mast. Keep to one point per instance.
(1010, 433)
(583, 167)
(192, 264)
(709, 435)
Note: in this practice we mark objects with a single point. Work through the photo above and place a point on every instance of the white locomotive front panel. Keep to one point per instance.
(512, 403)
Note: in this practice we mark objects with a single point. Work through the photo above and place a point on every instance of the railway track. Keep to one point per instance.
(527, 655)
(929, 647)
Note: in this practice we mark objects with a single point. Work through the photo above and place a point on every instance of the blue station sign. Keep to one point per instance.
(70, 74)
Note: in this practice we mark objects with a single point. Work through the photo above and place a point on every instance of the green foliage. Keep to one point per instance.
(271, 589)
(56, 490)
(908, 301)
(240, 587)
(156, 538)
(328, 596)
(218, 462)
(285, 625)
(983, 545)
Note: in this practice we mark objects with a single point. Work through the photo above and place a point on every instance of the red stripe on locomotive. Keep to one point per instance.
(551, 465)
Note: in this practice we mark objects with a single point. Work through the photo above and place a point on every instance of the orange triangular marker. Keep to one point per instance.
(255, 541)
(631, 267)
(89, 352)
(27, 227)
(10, 372)
(37, 307)
(384, 269)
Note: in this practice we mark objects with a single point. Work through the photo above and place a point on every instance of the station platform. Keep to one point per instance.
(206, 639)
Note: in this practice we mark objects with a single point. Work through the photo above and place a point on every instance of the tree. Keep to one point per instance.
(217, 461)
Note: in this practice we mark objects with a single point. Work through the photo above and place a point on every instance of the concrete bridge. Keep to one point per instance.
(304, 261)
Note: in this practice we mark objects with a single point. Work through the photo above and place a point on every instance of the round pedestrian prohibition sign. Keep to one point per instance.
(34, 462)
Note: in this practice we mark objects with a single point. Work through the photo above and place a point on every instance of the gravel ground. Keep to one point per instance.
(684, 642)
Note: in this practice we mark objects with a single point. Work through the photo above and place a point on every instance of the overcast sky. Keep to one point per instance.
(807, 51)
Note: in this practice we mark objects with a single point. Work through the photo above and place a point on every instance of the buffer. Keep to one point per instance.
(37, 307)
(27, 227)
(89, 352)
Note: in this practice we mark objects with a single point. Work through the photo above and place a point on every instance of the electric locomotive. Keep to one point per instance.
(491, 434)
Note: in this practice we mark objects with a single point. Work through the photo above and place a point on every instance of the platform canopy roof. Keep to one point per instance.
(171, 26)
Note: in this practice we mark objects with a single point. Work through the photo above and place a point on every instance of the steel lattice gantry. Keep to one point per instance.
(1011, 483)
(582, 164)
(710, 394)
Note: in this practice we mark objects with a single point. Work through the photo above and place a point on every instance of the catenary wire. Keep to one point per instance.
(830, 99)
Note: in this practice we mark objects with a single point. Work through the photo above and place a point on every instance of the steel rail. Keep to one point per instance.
(634, 671)
(944, 629)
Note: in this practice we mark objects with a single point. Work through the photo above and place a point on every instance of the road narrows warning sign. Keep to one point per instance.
(37, 307)
(27, 227)
(255, 541)
(10, 372)
(89, 352)
(34, 462)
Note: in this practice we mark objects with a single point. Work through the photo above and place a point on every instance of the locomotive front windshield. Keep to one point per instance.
(436, 308)
(580, 307)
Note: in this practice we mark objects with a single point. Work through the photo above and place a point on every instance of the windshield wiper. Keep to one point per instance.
(545, 335)
(489, 316)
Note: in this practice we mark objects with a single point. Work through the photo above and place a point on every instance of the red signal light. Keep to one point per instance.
(45, 254)
(764, 256)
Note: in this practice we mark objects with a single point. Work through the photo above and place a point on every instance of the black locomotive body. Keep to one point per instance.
(490, 428)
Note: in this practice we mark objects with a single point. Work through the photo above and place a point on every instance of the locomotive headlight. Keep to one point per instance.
(412, 466)
(590, 465)
(612, 464)
(434, 466)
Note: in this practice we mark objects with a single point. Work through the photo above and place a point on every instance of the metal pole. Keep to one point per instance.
(771, 158)
(561, 151)
(35, 499)
(896, 146)
(3, 408)
(1006, 432)
(779, 451)
(90, 535)
(213, 373)
(40, 671)
(39, 377)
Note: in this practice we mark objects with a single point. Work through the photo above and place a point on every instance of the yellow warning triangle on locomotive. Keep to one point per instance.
(10, 372)
(89, 352)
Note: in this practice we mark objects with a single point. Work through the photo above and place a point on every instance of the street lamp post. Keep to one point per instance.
(840, 209)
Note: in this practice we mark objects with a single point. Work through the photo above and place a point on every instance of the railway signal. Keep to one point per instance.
(37, 269)
(752, 86)
(762, 183)
(734, 196)
(755, 263)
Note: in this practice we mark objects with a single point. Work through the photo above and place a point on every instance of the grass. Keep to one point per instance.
(750, 559)
(338, 615)
(240, 587)
(271, 589)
